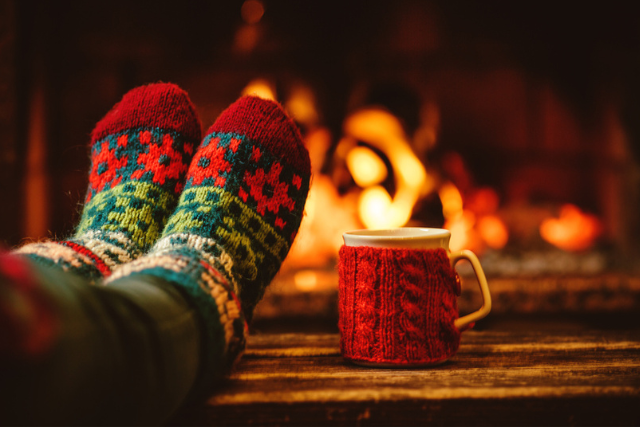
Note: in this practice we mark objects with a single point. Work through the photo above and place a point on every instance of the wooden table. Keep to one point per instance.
(527, 373)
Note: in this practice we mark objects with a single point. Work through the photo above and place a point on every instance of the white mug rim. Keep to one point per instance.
(400, 233)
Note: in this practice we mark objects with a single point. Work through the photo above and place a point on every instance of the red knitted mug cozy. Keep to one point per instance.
(397, 306)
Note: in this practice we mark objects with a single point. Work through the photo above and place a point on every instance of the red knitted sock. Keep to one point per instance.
(397, 306)
(140, 153)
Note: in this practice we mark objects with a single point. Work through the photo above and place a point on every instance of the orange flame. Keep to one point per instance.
(473, 223)
(463, 234)
(260, 88)
(381, 129)
(493, 231)
(573, 230)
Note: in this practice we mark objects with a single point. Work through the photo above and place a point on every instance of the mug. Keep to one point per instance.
(398, 294)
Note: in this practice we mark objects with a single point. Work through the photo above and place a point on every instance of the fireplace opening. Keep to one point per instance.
(544, 215)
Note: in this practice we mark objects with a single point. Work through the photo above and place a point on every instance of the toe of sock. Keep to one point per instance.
(266, 123)
(160, 105)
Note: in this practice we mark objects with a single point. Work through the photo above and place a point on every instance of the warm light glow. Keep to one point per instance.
(305, 280)
(344, 146)
(366, 167)
(252, 11)
(260, 88)
(382, 130)
(36, 181)
(246, 39)
(473, 223)
(572, 231)
(373, 207)
(302, 105)
(483, 201)
(462, 234)
(451, 200)
(327, 216)
(318, 142)
(375, 126)
(493, 231)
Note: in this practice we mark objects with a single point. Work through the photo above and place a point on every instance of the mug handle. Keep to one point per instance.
(484, 288)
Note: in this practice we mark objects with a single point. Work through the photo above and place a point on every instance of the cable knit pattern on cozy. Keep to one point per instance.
(140, 153)
(397, 306)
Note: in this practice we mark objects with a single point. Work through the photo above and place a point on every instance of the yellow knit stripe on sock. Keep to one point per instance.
(199, 199)
(129, 208)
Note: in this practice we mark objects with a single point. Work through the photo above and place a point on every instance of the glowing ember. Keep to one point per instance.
(573, 230)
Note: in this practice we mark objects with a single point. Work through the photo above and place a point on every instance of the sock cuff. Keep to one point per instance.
(157, 105)
(104, 269)
(111, 247)
(265, 122)
(206, 249)
(73, 258)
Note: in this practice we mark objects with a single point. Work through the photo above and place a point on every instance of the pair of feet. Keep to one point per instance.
(214, 215)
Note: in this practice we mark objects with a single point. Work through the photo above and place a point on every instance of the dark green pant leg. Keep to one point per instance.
(124, 354)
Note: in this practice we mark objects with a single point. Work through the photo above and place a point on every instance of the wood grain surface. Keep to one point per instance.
(511, 377)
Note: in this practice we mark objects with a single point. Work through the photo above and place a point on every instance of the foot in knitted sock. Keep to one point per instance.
(140, 152)
(235, 221)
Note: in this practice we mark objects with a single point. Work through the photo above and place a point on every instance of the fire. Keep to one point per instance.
(493, 231)
(451, 200)
(375, 148)
(474, 223)
(376, 209)
(463, 235)
(382, 130)
(574, 230)
(301, 104)
(366, 167)
(328, 214)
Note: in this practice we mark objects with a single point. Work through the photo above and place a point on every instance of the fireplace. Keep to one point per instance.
(512, 125)
(550, 215)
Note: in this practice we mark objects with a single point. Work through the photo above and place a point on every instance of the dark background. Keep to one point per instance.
(81, 57)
